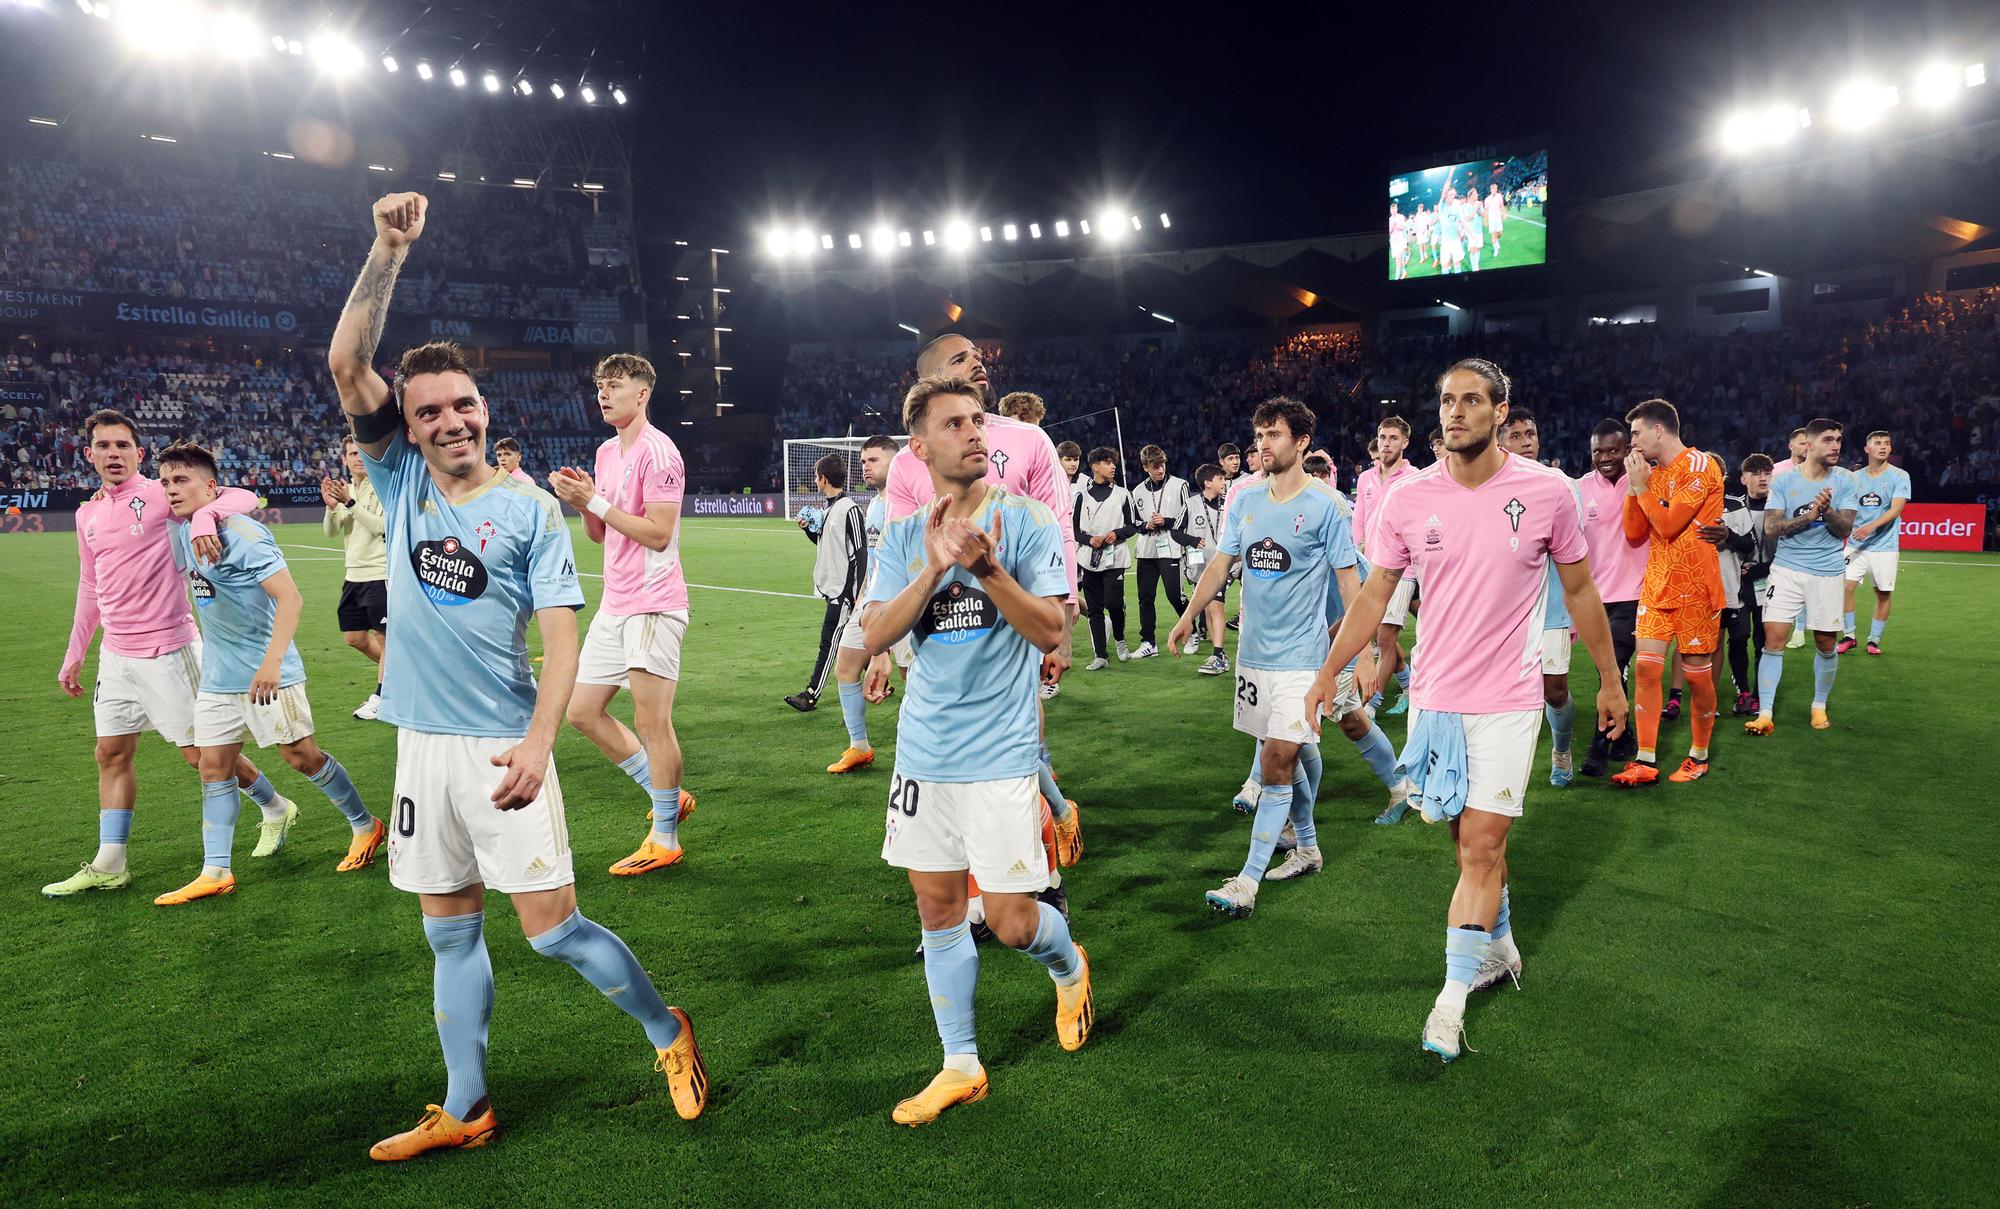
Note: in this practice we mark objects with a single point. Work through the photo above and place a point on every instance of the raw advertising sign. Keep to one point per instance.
(1943, 526)
(735, 505)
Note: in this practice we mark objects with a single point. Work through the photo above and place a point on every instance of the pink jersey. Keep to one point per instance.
(128, 581)
(1019, 457)
(523, 476)
(638, 580)
(1485, 553)
(1368, 489)
(1783, 468)
(1618, 566)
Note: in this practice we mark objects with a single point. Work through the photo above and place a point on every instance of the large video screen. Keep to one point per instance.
(1470, 217)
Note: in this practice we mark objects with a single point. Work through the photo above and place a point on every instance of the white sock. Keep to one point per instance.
(275, 812)
(214, 872)
(1502, 948)
(964, 1064)
(1454, 993)
(110, 858)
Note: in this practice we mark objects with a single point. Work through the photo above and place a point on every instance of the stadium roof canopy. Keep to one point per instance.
(1912, 201)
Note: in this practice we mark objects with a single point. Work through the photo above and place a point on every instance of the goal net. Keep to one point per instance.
(801, 485)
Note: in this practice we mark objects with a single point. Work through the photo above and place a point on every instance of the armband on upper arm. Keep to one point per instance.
(378, 424)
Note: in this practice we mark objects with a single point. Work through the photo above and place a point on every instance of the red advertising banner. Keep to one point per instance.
(1943, 526)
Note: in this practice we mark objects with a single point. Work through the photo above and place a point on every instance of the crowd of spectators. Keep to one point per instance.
(1927, 370)
(270, 423)
(255, 238)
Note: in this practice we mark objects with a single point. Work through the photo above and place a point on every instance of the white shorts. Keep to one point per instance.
(445, 833)
(991, 828)
(1819, 595)
(1272, 705)
(1499, 758)
(850, 639)
(224, 718)
(1398, 612)
(1556, 646)
(1878, 565)
(617, 643)
(1346, 694)
(133, 694)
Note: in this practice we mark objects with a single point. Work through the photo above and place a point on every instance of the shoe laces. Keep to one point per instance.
(433, 1114)
(670, 1063)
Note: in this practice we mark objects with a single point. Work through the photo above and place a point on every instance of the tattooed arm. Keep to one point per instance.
(399, 220)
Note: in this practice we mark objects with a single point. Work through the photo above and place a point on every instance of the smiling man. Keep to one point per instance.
(473, 554)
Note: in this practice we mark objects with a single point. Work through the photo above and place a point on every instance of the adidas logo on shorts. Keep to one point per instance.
(536, 868)
(1020, 869)
(1505, 795)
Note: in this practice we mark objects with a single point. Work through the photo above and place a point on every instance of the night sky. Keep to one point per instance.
(1243, 129)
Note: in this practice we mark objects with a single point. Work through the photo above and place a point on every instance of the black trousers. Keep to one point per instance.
(1103, 592)
(1152, 573)
(829, 644)
(1744, 631)
(1624, 618)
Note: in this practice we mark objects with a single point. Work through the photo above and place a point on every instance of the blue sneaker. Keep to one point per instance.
(1401, 707)
(1561, 769)
(1393, 815)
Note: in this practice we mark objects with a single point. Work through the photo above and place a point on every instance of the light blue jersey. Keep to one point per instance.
(1555, 615)
(236, 612)
(464, 579)
(1814, 550)
(971, 712)
(877, 519)
(1875, 494)
(1335, 607)
(1289, 550)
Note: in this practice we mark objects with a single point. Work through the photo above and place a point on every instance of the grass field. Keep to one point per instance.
(1774, 987)
(1523, 241)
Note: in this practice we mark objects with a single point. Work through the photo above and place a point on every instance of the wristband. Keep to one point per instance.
(598, 506)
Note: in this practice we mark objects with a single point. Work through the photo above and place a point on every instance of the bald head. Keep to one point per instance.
(953, 356)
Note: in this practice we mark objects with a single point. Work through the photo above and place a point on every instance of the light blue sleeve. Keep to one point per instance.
(1337, 534)
(552, 564)
(252, 551)
(890, 572)
(1901, 491)
(1231, 542)
(1038, 556)
(1847, 492)
(182, 545)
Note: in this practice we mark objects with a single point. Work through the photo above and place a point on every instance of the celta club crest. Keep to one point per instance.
(999, 459)
(138, 515)
(1298, 524)
(485, 532)
(1515, 509)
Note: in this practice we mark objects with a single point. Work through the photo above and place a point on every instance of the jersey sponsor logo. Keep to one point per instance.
(1871, 499)
(1267, 559)
(1802, 509)
(204, 591)
(450, 573)
(958, 613)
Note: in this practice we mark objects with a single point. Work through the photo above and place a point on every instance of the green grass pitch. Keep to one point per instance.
(1523, 241)
(1775, 987)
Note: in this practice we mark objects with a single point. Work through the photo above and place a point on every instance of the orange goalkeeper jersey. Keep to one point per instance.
(1681, 569)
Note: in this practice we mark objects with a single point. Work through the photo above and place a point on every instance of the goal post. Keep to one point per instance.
(802, 454)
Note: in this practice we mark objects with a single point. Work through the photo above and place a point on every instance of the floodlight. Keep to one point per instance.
(423, 70)
(233, 35)
(1165, 222)
(802, 242)
(1010, 232)
(1861, 103)
(522, 182)
(1034, 230)
(854, 240)
(777, 243)
(957, 235)
(986, 235)
(524, 87)
(930, 239)
(490, 82)
(882, 239)
(458, 77)
(389, 64)
(826, 243)
(588, 94)
(161, 27)
(1975, 74)
(1936, 86)
(556, 91)
(1062, 228)
(902, 239)
(1083, 226)
(618, 94)
(335, 55)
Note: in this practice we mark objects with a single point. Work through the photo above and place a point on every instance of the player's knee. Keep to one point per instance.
(1354, 724)
(303, 757)
(585, 717)
(215, 765)
(358, 639)
(115, 754)
(1480, 852)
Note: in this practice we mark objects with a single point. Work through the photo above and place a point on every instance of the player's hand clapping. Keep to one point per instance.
(1821, 502)
(1638, 472)
(527, 762)
(399, 219)
(978, 549)
(333, 492)
(941, 548)
(573, 486)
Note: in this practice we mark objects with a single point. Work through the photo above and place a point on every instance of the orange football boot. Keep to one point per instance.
(1076, 1009)
(1636, 773)
(1691, 769)
(949, 1090)
(200, 887)
(852, 760)
(362, 849)
(687, 1078)
(1759, 725)
(438, 1130)
(649, 857)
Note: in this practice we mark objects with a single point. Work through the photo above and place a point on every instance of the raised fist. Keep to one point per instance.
(399, 219)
